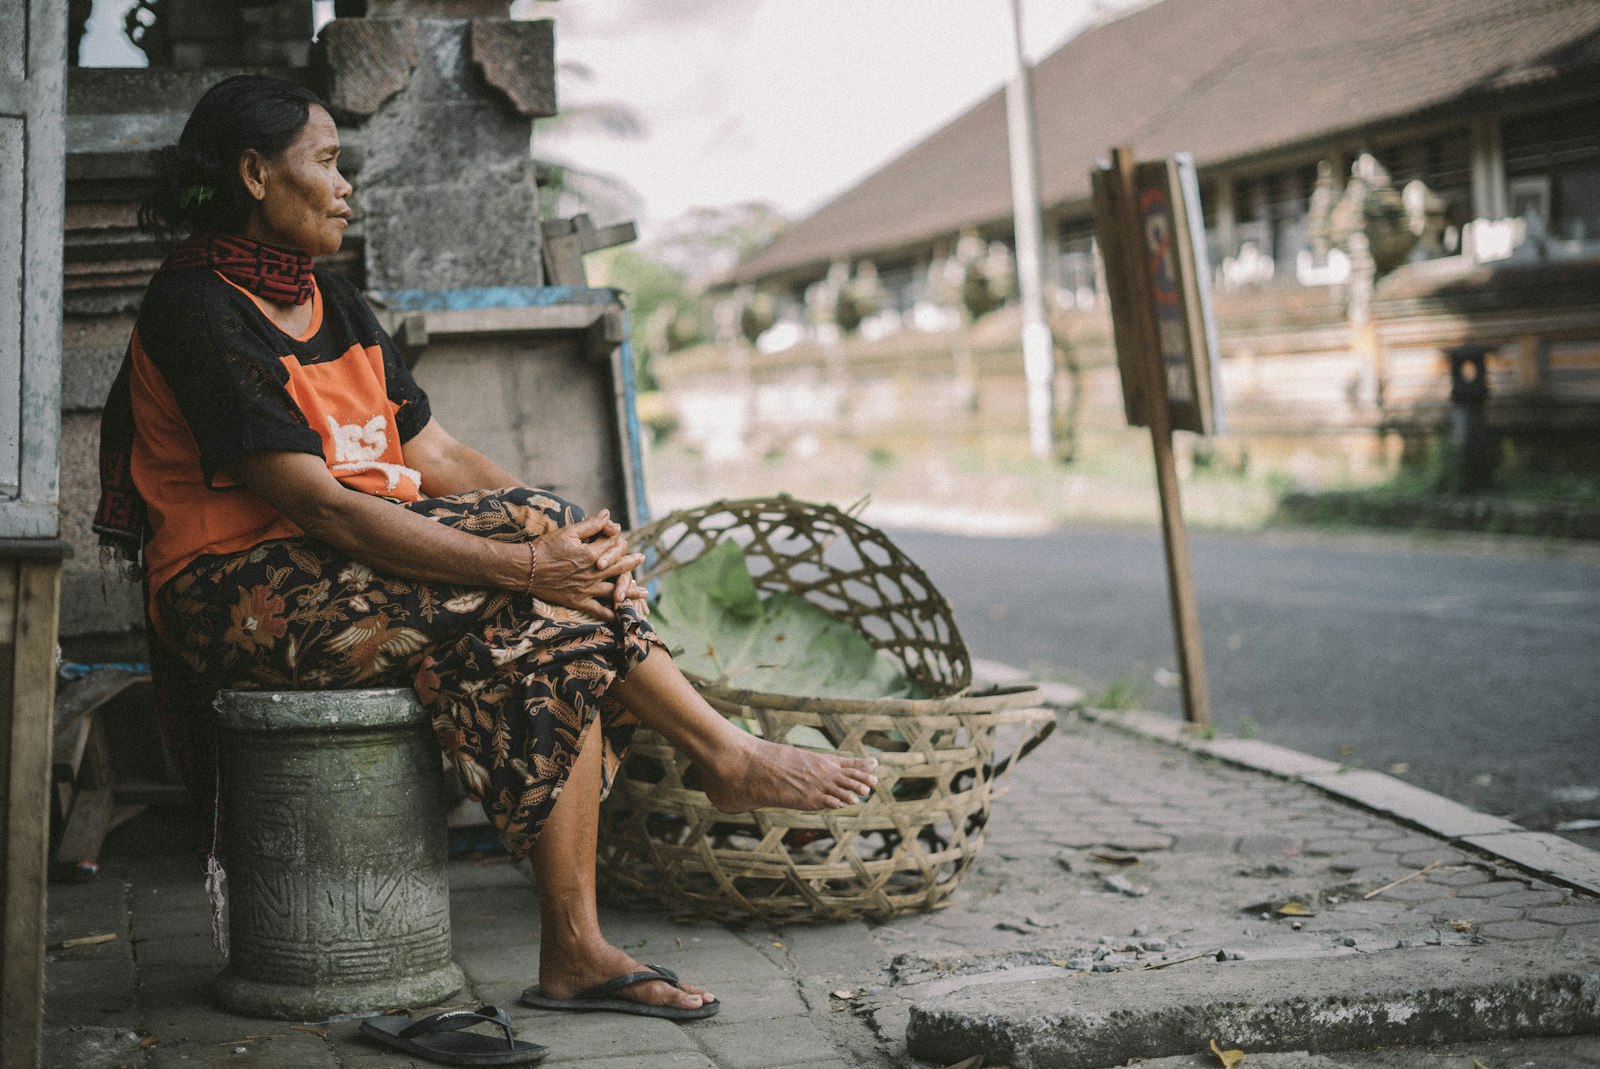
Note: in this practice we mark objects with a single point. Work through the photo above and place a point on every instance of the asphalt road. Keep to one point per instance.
(1469, 673)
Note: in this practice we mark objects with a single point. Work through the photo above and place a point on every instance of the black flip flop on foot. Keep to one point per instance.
(600, 997)
(439, 1038)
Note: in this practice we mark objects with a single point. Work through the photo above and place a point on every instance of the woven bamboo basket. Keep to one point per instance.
(941, 758)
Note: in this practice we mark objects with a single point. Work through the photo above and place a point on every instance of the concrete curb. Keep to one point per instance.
(1350, 1003)
(1547, 856)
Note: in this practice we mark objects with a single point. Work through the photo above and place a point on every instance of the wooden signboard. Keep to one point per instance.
(1147, 221)
(1176, 294)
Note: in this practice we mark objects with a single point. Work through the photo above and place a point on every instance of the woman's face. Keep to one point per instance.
(300, 194)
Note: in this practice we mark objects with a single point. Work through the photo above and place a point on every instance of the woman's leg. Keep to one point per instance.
(742, 772)
(573, 955)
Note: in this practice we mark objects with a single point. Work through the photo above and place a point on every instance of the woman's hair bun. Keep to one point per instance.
(198, 189)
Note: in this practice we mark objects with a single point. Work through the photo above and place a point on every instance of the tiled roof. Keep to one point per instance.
(1221, 79)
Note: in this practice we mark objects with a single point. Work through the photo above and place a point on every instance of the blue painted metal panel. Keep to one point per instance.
(495, 297)
(632, 431)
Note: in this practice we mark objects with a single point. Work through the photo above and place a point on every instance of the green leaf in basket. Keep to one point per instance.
(805, 735)
(720, 628)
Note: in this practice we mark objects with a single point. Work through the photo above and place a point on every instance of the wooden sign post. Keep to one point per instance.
(1147, 220)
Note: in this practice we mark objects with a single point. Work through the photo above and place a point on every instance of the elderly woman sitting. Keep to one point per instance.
(308, 523)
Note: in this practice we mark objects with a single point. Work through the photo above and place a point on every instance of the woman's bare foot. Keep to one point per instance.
(564, 975)
(752, 773)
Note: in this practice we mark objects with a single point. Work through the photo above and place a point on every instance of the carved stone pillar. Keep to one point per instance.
(444, 108)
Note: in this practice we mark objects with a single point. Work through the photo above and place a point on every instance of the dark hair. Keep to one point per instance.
(198, 189)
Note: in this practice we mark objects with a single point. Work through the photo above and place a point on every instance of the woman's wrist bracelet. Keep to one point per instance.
(533, 565)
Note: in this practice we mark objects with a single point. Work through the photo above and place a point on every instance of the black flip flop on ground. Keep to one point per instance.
(600, 997)
(440, 1038)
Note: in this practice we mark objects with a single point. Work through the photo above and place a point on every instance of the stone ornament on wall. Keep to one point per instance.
(366, 61)
(858, 298)
(519, 58)
(757, 314)
(1372, 208)
(988, 274)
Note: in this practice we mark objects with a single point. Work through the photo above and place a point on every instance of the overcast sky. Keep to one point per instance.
(788, 101)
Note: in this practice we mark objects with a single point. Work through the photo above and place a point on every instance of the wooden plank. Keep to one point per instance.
(67, 752)
(9, 577)
(8, 605)
(563, 259)
(28, 705)
(529, 320)
(124, 812)
(87, 825)
(80, 697)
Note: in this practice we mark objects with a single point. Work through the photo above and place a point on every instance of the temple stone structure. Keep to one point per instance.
(443, 111)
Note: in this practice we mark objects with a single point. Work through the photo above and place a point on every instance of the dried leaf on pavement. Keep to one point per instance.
(845, 994)
(1229, 1058)
(1461, 926)
(149, 1041)
(1296, 909)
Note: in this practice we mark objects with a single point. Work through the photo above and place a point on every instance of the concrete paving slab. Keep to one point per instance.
(1541, 852)
(1385, 794)
(1089, 784)
(1277, 760)
(95, 990)
(1345, 1003)
(785, 1041)
(579, 1036)
(1141, 722)
(91, 1047)
(1561, 859)
(1557, 1052)
(266, 1049)
(679, 1060)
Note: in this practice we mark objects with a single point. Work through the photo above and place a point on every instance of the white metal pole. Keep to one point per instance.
(1038, 350)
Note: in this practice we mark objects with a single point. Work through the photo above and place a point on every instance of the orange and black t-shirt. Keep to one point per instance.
(214, 379)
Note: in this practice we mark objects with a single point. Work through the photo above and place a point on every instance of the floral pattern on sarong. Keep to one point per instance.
(511, 682)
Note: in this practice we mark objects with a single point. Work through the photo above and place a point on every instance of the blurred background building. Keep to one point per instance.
(1383, 182)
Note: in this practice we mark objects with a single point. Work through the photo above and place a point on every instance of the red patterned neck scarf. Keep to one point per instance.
(280, 275)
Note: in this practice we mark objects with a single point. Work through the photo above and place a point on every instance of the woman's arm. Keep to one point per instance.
(449, 467)
(579, 566)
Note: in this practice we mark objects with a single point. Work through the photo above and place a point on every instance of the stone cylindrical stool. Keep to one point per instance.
(334, 845)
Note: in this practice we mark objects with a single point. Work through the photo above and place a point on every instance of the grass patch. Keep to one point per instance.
(1121, 695)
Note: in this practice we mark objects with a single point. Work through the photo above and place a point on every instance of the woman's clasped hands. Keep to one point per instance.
(587, 566)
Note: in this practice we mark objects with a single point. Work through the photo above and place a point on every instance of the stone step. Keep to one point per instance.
(1400, 997)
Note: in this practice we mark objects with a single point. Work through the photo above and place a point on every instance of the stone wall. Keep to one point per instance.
(1293, 376)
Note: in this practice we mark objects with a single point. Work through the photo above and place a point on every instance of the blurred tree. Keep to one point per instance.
(704, 244)
(656, 294)
(565, 186)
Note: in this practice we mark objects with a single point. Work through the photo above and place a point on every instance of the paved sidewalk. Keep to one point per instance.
(1111, 854)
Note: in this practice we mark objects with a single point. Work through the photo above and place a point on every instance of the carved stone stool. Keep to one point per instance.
(334, 844)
